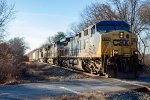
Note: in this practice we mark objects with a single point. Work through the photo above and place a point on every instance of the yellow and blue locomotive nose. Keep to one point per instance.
(120, 43)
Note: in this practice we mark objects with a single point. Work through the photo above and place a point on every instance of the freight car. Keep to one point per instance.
(105, 48)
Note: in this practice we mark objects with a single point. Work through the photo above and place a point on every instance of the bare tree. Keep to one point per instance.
(18, 46)
(8, 65)
(75, 29)
(49, 40)
(124, 10)
(6, 15)
(58, 36)
(55, 38)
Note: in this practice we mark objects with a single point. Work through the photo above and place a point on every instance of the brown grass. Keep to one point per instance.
(95, 96)
(87, 96)
(8, 71)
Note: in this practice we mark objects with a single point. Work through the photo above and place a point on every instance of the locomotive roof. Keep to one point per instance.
(112, 23)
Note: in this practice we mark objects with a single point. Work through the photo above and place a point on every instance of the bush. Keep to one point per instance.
(9, 64)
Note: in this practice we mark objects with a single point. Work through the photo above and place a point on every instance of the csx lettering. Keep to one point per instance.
(121, 42)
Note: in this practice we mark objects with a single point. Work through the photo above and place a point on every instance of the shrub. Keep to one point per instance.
(9, 64)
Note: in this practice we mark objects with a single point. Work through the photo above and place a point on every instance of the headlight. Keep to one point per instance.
(121, 34)
(115, 52)
(136, 52)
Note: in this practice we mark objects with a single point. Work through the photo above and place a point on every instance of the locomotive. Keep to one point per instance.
(105, 48)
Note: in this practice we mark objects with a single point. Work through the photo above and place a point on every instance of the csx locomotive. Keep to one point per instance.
(105, 48)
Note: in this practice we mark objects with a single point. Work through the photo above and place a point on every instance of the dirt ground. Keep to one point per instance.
(38, 72)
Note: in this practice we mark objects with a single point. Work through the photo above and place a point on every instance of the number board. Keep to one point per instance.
(106, 39)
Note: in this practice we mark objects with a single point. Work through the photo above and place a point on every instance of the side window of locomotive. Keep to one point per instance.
(41, 54)
(79, 35)
(84, 44)
(93, 30)
(80, 46)
(86, 32)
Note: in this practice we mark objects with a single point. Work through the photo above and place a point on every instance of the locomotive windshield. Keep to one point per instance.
(107, 26)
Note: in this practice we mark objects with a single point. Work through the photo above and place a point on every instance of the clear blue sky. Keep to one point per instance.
(38, 19)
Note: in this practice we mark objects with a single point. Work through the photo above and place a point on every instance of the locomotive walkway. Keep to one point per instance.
(36, 91)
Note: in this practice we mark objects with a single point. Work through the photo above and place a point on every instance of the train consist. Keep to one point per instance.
(105, 48)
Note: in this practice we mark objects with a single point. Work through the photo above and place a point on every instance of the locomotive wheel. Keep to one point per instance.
(55, 62)
(90, 67)
(106, 75)
(93, 68)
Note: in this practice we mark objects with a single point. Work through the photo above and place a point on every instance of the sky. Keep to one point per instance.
(36, 20)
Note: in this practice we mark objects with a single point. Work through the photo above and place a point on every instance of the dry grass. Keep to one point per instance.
(95, 96)
(7, 74)
(88, 96)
